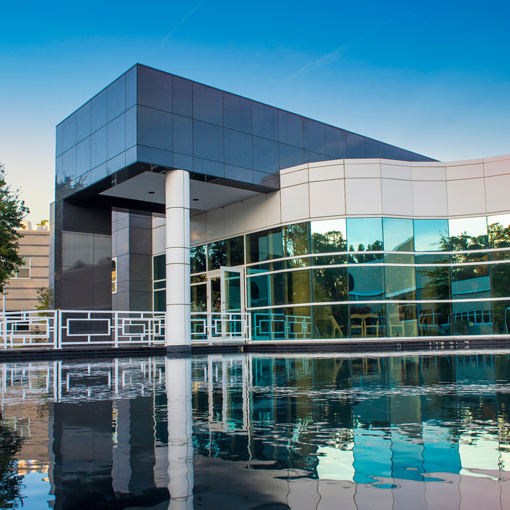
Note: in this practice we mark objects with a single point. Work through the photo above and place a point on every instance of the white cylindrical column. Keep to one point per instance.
(181, 479)
(178, 295)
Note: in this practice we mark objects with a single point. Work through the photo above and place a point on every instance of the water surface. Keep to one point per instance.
(261, 432)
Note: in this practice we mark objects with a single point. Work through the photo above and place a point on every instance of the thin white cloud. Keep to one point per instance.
(195, 9)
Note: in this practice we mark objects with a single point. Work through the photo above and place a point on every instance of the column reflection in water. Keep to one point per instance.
(180, 428)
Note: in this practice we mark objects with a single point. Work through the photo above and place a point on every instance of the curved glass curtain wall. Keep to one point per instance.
(369, 277)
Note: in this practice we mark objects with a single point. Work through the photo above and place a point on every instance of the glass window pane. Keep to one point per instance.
(296, 239)
(290, 156)
(500, 279)
(207, 104)
(331, 321)
(183, 135)
(154, 128)
(433, 282)
(470, 282)
(183, 97)
(237, 113)
(431, 235)
(434, 319)
(208, 141)
(197, 259)
(366, 283)
(116, 136)
(69, 132)
(472, 318)
(99, 111)
(500, 317)
(265, 155)
(160, 301)
(329, 236)
(217, 255)
(78, 250)
(264, 245)
(398, 234)
(355, 146)
(289, 323)
(265, 121)
(258, 291)
(83, 116)
(400, 282)
(313, 136)
(364, 234)
(199, 298)
(154, 89)
(335, 142)
(83, 157)
(159, 267)
(330, 284)
(366, 320)
(468, 233)
(290, 129)
(98, 148)
(401, 320)
(238, 149)
(235, 251)
(117, 98)
(499, 230)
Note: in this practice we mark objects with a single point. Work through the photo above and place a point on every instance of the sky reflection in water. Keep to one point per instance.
(257, 432)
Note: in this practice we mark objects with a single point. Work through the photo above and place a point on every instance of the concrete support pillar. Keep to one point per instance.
(181, 479)
(178, 296)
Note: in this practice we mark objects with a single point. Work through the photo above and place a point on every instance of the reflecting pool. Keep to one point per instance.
(259, 432)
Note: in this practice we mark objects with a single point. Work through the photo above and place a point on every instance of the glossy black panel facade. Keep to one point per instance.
(152, 120)
(221, 134)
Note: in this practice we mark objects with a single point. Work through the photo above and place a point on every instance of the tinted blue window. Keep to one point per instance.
(130, 128)
(313, 136)
(183, 135)
(69, 163)
(312, 157)
(374, 149)
(335, 142)
(391, 152)
(116, 136)
(431, 235)
(265, 121)
(364, 234)
(355, 146)
(207, 167)
(59, 136)
(237, 113)
(208, 141)
(83, 157)
(183, 97)
(290, 129)
(117, 98)
(98, 148)
(131, 88)
(69, 133)
(207, 104)
(83, 118)
(398, 234)
(238, 149)
(265, 155)
(290, 156)
(154, 89)
(154, 128)
(99, 111)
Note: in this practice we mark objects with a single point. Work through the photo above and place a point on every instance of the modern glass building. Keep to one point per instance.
(197, 200)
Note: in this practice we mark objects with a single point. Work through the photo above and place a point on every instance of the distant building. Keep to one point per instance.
(21, 290)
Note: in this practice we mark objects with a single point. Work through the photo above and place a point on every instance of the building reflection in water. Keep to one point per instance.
(256, 431)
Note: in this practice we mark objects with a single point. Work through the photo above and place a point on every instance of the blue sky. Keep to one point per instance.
(432, 77)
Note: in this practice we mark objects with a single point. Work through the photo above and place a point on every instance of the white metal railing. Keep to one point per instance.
(211, 327)
(58, 329)
(28, 328)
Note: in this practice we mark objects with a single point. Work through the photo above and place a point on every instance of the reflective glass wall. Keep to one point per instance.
(369, 277)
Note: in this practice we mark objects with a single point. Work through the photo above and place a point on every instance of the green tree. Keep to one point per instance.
(12, 212)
